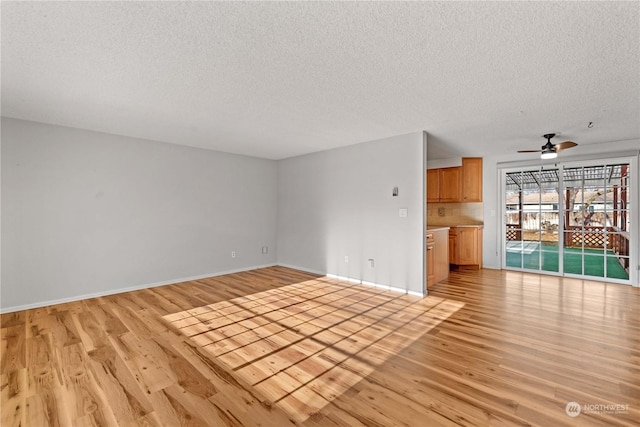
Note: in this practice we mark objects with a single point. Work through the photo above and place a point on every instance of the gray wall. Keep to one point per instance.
(339, 203)
(86, 213)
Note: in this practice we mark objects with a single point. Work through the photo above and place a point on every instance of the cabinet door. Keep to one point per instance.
(467, 246)
(451, 184)
(441, 255)
(452, 247)
(472, 179)
(431, 264)
(433, 185)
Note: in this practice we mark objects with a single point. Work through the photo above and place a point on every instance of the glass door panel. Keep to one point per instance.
(549, 221)
(532, 220)
(513, 220)
(569, 220)
(596, 221)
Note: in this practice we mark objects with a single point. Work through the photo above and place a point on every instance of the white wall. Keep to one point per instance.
(339, 203)
(86, 213)
(491, 235)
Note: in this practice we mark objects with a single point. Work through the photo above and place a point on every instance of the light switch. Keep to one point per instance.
(403, 212)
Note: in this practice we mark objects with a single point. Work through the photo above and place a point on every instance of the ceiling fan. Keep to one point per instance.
(549, 150)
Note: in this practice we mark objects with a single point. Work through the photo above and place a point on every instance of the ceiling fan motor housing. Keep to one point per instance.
(548, 147)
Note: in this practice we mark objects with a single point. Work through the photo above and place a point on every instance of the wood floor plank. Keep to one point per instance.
(13, 356)
(13, 396)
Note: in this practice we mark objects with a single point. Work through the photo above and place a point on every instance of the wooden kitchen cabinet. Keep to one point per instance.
(450, 184)
(456, 184)
(472, 179)
(433, 185)
(465, 246)
(444, 185)
(452, 246)
(431, 263)
(437, 255)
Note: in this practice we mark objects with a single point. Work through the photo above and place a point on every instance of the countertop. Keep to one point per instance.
(437, 227)
(434, 227)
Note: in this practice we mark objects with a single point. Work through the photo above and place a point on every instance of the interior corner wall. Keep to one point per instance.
(338, 203)
(87, 213)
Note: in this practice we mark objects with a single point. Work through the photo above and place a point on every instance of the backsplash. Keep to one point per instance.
(455, 213)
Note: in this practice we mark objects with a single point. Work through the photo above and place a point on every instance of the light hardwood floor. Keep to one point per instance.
(278, 347)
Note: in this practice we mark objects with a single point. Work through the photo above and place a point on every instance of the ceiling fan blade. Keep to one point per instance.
(529, 151)
(565, 145)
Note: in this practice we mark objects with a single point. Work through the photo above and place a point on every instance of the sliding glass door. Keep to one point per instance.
(571, 219)
(597, 221)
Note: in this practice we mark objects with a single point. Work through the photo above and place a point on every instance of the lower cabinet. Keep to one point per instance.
(437, 255)
(431, 263)
(465, 246)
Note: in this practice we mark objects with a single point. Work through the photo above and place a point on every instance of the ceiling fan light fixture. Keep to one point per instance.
(549, 150)
(548, 154)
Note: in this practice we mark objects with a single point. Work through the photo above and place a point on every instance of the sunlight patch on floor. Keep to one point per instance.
(303, 345)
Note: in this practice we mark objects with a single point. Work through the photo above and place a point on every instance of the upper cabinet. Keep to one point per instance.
(444, 185)
(472, 179)
(433, 185)
(456, 184)
(450, 184)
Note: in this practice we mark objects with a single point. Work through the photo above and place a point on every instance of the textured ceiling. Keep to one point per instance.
(275, 79)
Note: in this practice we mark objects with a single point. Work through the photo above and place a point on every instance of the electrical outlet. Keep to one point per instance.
(371, 264)
(265, 249)
(233, 254)
(346, 258)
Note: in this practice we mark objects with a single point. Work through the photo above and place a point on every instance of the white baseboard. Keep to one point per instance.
(40, 304)
(128, 289)
(376, 285)
(353, 280)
